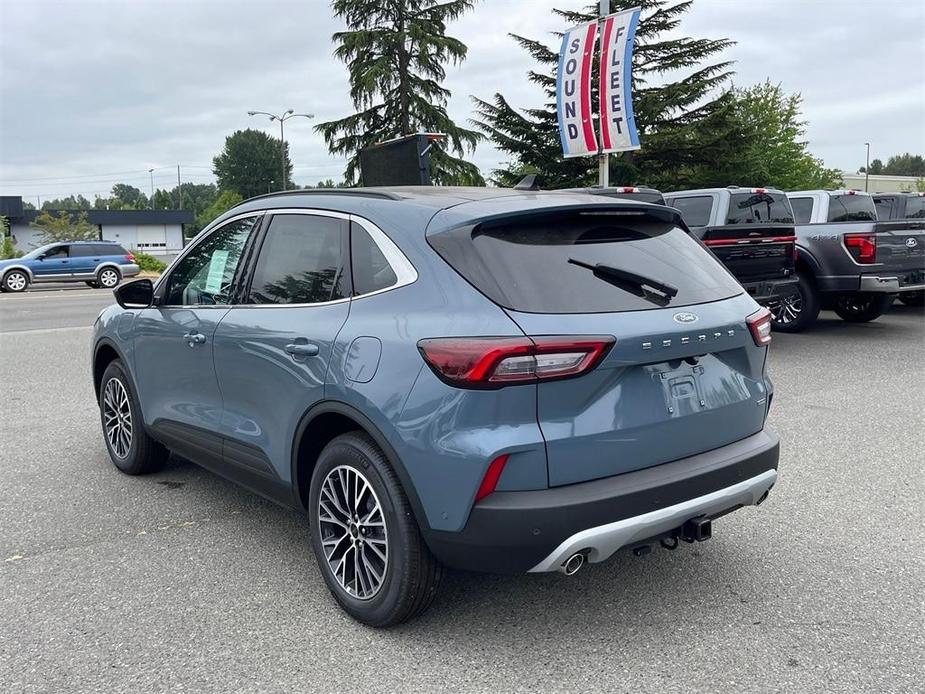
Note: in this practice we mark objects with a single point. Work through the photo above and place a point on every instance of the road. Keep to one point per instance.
(181, 582)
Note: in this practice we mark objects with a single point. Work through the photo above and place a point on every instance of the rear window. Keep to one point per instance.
(802, 209)
(695, 210)
(852, 208)
(884, 208)
(915, 208)
(540, 263)
(759, 208)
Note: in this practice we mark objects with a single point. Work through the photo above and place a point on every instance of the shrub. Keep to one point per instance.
(148, 263)
(8, 250)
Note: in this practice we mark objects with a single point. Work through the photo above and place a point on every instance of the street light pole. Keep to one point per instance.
(282, 139)
(151, 201)
(867, 167)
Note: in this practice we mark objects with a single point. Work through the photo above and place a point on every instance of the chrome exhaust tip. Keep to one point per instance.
(573, 564)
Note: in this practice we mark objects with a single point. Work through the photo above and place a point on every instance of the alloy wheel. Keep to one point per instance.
(109, 278)
(787, 309)
(353, 532)
(117, 418)
(16, 281)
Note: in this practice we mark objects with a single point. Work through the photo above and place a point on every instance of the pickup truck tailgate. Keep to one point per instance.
(901, 249)
(752, 251)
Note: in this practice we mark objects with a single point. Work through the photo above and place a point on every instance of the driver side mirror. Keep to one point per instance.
(136, 294)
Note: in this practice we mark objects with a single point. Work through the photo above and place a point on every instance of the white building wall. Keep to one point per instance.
(25, 238)
(162, 240)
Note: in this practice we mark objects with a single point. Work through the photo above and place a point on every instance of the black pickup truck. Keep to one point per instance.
(751, 230)
(902, 206)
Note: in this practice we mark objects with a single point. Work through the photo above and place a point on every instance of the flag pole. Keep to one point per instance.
(603, 160)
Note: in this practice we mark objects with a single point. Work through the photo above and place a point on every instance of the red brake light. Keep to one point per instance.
(759, 323)
(759, 190)
(492, 475)
(129, 257)
(493, 362)
(627, 189)
(862, 247)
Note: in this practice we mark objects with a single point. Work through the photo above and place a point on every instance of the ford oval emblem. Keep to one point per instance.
(911, 242)
(685, 317)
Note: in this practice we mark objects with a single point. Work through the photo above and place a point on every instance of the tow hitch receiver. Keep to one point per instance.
(697, 529)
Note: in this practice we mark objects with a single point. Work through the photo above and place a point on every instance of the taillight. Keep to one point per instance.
(759, 323)
(492, 475)
(862, 247)
(129, 257)
(493, 362)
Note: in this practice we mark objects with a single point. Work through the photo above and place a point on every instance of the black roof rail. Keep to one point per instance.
(353, 192)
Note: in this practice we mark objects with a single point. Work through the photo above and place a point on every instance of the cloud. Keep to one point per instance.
(88, 89)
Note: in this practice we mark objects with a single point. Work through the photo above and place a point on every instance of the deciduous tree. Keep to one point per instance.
(249, 164)
(64, 226)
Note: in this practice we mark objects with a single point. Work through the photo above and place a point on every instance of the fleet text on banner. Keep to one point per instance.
(573, 91)
(618, 127)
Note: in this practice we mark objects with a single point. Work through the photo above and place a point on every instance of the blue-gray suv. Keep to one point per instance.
(489, 379)
(97, 263)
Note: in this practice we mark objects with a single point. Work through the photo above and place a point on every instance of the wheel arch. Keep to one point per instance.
(104, 353)
(106, 264)
(24, 268)
(807, 263)
(322, 423)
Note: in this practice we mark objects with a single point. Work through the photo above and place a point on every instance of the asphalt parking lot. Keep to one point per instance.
(182, 582)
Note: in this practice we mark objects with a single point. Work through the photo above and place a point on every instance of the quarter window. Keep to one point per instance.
(369, 267)
(205, 275)
(695, 210)
(301, 261)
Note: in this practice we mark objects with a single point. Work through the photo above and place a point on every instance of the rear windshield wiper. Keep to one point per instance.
(631, 282)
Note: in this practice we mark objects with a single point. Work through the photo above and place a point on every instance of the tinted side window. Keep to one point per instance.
(915, 208)
(884, 208)
(695, 211)
(369, 267)
(802, 209)
(83, 250)
(301, 261)
(852, 208)
(56, 253)
(204, 276)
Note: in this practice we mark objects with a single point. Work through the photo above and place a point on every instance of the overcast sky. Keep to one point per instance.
(94, 93)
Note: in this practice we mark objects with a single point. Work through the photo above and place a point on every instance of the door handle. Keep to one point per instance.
(302, 349)
(194, 339)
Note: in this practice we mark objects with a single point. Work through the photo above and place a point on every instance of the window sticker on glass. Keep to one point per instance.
(216, 271)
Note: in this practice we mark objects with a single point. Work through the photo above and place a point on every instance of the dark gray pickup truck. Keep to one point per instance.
(848, 260)
(897, 206)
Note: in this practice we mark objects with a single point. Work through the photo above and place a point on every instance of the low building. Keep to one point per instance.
(156, 232)
(880, 183)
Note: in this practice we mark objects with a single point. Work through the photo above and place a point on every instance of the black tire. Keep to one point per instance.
(913, 298)
(862, 307)
(108, 277)
(15, 281)
(799, 311)
(142, 454)
(93, 284)
(410, 574)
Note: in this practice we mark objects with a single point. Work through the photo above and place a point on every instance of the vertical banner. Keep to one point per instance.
(573, 91)
(618, 126)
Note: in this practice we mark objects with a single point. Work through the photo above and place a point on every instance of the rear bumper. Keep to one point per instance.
(129, 269)
(890, 284)
(768, 291)
(516, 532)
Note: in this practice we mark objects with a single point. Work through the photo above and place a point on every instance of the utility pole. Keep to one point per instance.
(151, 201)
(282, 140)
(179, 190)
(867, 168)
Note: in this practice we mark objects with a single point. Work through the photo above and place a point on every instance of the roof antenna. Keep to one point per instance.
(528, 182)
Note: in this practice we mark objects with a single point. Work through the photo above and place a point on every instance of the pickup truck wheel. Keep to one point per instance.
(797, 311)
(365, 538)
(913, 298)
(860, 307)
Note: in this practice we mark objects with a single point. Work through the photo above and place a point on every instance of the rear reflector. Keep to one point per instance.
(492, 475)
(493, 362)
(759, 323)
(862, 247)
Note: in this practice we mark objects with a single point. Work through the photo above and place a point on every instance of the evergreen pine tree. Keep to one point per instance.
(395, 53)
(682, 125)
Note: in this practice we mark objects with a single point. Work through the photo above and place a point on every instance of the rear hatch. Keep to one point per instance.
(758, 241)
(684, 375)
